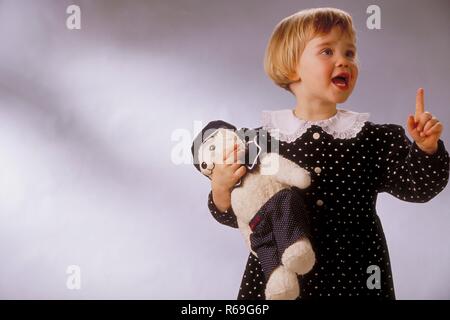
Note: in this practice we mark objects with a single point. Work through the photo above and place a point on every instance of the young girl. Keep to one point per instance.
(312, 54)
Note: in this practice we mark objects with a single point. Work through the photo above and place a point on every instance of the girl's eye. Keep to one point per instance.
(350, 54)
(327, 52)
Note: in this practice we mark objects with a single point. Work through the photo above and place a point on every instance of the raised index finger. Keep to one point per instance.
(420, 108)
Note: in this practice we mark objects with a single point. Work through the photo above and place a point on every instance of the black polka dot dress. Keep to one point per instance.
(350, 160)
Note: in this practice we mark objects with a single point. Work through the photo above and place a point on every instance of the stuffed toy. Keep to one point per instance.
(270, 214)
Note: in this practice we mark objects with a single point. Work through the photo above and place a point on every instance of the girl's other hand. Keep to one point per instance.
(423, 127)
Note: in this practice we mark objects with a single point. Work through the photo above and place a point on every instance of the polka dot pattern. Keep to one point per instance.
(346, 232)
(227, 217)
(284, 222)
(407, 172)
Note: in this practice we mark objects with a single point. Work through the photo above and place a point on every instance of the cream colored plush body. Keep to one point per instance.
(274, 174)
(259, 186)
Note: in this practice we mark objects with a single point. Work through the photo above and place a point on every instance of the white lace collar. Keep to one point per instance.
(285, 126)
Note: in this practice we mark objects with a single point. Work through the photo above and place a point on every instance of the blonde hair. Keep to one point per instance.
(290, 36)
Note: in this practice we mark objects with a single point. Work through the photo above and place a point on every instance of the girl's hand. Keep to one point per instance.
(228, 172)
(224, 177)
(423, 127)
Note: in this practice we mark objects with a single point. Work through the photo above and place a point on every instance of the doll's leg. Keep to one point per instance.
(277, 232)
(282, 285)
(290, 225)
(299, 257)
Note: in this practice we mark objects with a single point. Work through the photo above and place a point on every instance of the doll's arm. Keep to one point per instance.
(407, 172)
(286, 171)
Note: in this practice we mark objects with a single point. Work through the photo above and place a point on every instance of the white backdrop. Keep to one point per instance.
(86, 124)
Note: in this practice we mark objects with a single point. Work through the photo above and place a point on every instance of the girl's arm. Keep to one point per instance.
(418, 171)
(227, 217)
(224, 177)
(406, 171)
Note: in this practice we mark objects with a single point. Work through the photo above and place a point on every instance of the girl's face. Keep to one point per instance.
(328, 68)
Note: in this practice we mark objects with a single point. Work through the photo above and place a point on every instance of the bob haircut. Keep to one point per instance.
(290, 36)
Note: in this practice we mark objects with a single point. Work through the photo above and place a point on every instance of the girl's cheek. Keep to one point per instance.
(356, 73)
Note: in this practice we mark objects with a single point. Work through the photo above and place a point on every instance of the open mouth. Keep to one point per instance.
(342, 80)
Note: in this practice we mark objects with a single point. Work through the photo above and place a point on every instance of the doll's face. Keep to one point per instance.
(213, 149)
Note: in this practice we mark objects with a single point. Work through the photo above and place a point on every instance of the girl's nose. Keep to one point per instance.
(342, 62)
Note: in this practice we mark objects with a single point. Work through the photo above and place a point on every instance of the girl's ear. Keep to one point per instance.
(295, 79)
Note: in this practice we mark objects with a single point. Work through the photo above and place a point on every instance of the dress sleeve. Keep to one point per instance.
(227, 218)
(407, 172)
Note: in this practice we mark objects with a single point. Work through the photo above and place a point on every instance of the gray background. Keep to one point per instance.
(86, 120)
